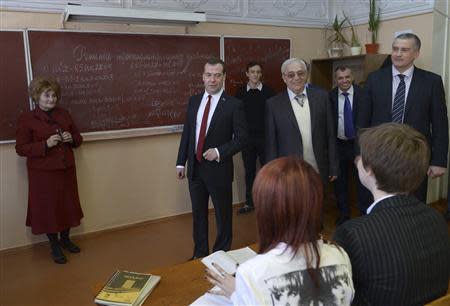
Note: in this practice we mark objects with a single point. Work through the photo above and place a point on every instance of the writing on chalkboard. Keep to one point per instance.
(123, 81)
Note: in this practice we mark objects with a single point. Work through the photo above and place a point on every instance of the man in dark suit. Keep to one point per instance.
(299, 122)
(254, 95)
(406, 94)
(345, 100)
(400, 250)
(213, 132)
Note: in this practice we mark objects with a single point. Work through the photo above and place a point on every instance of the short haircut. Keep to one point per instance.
(292, 60)
(41, 84)
(216, 61)
(342, 68)
(288, 195)
(414, 37)
(252, 64)
(397, 154)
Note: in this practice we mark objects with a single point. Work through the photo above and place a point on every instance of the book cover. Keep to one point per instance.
(127, 289)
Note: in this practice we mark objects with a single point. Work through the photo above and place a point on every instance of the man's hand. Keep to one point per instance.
(435, 171)
(210, 154)
(180, 173)
(332, 178)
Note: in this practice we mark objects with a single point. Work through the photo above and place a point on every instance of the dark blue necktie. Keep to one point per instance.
(398, 108)
(349, 130)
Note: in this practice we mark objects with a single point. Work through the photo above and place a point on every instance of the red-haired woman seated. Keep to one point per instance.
(294, 266)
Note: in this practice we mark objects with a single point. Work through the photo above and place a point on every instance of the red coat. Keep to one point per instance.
(53, 202)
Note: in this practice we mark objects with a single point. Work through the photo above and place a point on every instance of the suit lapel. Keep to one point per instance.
(356, 99)
(413, 92)
(219, 109)
(312, 109)
(386, 88)
(286, 108)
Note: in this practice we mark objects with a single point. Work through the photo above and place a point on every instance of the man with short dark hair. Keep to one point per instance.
(406, 94)
(299, 122)
(346, 99)
(254, 95)
(213, 132)
(400, 250)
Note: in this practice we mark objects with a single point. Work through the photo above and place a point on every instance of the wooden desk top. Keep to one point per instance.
(180, 284)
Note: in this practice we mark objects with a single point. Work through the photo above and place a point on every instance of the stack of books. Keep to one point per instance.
(127, 289)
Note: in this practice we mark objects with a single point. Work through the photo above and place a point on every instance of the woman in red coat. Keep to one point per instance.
(46, 136)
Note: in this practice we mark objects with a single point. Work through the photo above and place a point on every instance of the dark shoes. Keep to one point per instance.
(245, 209)
(70, 246)
(58, 255)
(341, 220)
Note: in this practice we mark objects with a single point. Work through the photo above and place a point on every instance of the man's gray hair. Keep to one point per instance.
(291, 61)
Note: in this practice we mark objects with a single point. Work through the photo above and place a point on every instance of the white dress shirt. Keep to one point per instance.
(259, 87)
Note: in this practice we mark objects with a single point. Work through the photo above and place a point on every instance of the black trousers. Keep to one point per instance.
(220, 192)
(347, 169)
(253, 151)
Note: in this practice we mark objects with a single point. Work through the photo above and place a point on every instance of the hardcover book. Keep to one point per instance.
(127, 289)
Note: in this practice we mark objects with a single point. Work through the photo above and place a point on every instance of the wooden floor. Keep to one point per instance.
(28, 276)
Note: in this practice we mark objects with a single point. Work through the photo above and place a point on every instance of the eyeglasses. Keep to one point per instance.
(292, 74)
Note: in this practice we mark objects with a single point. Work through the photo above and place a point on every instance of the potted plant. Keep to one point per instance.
(355, 45)
(374, 23)
(336, 39)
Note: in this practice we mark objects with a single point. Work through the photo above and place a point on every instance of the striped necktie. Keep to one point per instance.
(398, 108)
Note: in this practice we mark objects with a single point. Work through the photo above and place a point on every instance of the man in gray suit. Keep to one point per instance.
(299, 121)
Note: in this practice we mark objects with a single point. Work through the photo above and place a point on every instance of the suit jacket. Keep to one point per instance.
(283, 133)
(227, 132)
(358, 97)
(400, 253)
(425, 108)
(33, 130)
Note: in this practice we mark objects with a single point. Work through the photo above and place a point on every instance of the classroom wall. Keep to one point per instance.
(131, 180)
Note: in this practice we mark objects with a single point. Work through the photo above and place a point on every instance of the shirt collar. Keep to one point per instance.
(259, 87)
(215, 97)
(408, 73)
(350, 91)
(371, 207)
(292, 95)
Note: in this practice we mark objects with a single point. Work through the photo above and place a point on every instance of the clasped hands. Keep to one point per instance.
(57, 138)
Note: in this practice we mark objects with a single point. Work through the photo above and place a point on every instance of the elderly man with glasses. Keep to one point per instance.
(299, 122)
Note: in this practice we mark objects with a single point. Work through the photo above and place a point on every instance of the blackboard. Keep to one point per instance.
(271, 53)
(123, 81)
(13, 82)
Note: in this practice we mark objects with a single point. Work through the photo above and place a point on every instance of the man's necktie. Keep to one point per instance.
(349, 130)
(300, 99)
(398, 108)
(201, 136)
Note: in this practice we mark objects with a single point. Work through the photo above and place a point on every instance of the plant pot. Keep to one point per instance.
(335, 52)
(355, 50)
(372, 48)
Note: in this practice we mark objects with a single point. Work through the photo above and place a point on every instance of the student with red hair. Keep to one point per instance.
(294, 265)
